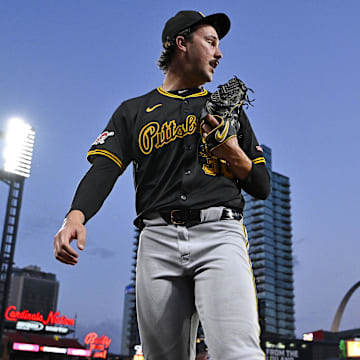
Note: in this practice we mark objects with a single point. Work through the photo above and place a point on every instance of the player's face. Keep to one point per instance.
(203, 54)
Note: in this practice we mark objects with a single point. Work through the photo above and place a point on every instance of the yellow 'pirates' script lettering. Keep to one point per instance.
(152, 134)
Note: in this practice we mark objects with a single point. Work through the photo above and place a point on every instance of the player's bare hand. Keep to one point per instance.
(228, 150)
(72, 229)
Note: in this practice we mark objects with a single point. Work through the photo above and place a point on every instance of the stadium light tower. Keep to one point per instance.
(19, 144)
(19, 147)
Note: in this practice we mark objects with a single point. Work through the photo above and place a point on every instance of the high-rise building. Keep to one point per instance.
(128, 321)
(33, 290)
(268, 223)
(130, 332)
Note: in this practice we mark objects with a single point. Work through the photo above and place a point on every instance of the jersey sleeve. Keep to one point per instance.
(95, 186)
(258, 182)
(115, 141)
(248, 141)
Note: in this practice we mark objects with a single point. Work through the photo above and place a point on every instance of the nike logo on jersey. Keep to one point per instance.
(150, 109)
(220, 136)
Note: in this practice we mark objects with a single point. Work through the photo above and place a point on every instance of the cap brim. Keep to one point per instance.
(219, 21)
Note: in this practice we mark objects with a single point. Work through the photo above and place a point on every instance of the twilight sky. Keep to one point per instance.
(66, 65)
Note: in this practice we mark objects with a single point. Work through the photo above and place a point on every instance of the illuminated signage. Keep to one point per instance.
(53, 317)
(138, 357)
(281, 351)
(353, 348)
(51, 349)
(98, 346)
(27, 321)
(26, 347)
(308, 337)
(314, 335)
(38, 326)
(78, 352)
(139, 353)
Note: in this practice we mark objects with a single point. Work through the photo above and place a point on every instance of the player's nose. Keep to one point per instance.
(218, 54)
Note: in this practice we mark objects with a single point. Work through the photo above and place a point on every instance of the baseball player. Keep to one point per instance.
(192, 257)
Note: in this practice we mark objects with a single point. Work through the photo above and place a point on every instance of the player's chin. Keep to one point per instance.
(206, 75)
(209, 75)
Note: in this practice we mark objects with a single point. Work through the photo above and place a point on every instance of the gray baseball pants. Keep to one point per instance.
(184, 274)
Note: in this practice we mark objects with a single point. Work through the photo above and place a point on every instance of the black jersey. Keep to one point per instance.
(159, 133)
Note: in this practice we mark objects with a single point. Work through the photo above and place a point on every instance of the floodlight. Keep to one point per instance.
(19, 144)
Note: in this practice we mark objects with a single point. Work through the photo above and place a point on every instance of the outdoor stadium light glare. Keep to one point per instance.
(19, 144)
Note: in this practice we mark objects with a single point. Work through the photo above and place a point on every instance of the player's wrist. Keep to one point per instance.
(239, 164)
(75, 216)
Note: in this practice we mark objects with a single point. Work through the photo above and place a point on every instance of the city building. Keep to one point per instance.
(268, 223)
(33, 328)
(128, 324)
(130, 333)
(33, 290)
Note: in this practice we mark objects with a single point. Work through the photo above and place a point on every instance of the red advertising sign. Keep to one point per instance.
(98, 346)
(36, 322)
(11, 314)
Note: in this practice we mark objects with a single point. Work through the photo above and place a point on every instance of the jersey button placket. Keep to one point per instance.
(186, 107)
(188, 153)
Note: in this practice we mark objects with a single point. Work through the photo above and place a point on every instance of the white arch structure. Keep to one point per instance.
(339, 313)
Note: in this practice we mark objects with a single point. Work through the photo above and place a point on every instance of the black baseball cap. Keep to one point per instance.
(188, 18)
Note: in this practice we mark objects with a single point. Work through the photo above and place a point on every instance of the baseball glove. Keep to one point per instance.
(225, 105)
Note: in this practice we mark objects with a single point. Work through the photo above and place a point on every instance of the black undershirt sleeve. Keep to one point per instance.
(257, 183)
(95, 186)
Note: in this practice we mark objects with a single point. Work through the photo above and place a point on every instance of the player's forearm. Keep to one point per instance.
(95, 187)
(257, 184)
(239, 163)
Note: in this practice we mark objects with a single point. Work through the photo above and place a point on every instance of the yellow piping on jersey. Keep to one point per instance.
(108, 154)
(246, 236)
(163, 92)
(259, 160)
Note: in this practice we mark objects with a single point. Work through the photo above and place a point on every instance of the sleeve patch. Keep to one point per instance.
(102, 137)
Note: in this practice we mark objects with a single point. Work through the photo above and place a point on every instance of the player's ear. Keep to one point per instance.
(181, 43)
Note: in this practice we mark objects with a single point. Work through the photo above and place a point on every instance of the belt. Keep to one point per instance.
(191, 217)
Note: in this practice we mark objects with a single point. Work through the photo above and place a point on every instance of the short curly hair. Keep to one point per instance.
(170, 49)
